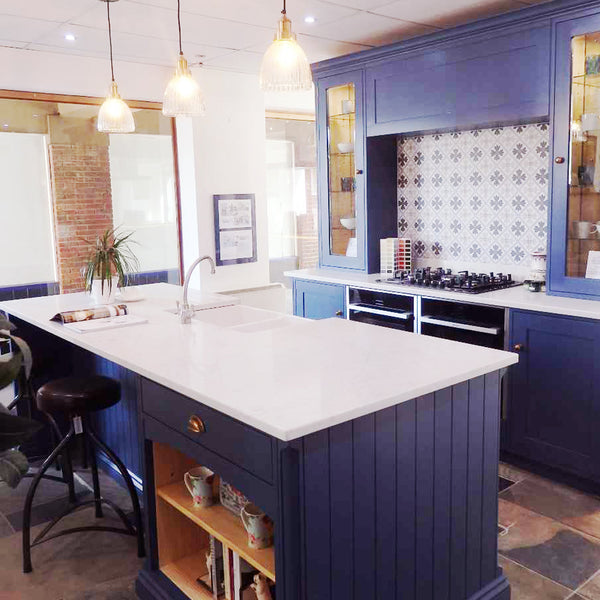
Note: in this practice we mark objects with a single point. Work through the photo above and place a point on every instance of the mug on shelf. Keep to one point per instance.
(584, 230)
(258, 525)
(199, 482)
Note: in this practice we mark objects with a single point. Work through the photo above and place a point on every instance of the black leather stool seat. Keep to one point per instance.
(78, 395)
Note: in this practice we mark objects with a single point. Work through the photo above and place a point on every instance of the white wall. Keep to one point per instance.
(24, 210)
(229, 158)
(228, 144)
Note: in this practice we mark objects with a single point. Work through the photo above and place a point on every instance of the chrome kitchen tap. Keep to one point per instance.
(185, 312)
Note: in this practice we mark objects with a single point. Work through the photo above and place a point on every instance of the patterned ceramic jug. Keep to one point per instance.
(258, 525)
(199, 482)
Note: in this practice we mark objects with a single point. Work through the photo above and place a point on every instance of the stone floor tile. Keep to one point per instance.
(71, 565)
(5, 527)
(513, 473)
(547, 546)
(591, 589)
(42, 513)
(47, 490)
(527, 585)
(572, 507)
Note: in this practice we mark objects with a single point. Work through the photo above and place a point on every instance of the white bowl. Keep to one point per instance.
(344, 148)
(348, 222)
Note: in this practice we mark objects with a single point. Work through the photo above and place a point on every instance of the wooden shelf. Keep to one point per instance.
(184, 573)
(222, 524)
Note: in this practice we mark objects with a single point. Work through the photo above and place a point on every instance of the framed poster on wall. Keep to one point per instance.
(235, 228)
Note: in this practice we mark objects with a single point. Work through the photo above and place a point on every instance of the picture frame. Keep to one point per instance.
(235, 228)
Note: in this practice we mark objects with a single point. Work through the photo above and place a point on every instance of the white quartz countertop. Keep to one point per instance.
(515, 297)
(283, 375)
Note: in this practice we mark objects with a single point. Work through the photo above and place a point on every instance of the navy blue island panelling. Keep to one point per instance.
(399, 504)
(402, 503)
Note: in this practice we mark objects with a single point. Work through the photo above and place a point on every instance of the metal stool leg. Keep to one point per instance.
(29, 500)
(134, 498)
(66, 463)
(94, 466)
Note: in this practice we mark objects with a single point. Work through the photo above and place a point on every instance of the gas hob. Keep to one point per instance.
(461, 281)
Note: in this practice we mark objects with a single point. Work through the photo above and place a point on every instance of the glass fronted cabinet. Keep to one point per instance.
(341, 171)
(575, 228)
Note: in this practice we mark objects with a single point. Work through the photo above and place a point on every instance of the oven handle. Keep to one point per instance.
(458, 325)
(379, 311)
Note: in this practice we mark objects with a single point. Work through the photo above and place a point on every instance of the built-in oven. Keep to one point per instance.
(463, 322)
(379, 308)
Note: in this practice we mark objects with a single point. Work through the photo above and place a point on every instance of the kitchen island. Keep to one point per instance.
(374, 451)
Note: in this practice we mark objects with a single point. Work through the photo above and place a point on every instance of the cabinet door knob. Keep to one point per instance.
(339, 313)
(196, 425)
(518, 347)
(359, 171)
(559, 160)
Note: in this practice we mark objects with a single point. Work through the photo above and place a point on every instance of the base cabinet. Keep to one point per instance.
(314, 300)
(554, 399)
(400, 501)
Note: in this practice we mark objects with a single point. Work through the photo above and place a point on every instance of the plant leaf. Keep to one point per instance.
(5, 324)
(13, 467)
(10, 365)
(15, 430)
(26, 352)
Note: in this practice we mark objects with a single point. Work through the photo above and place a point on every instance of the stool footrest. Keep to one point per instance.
(79, 529)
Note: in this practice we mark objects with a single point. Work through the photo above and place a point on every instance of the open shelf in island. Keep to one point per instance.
(220, 523)
(184, 573)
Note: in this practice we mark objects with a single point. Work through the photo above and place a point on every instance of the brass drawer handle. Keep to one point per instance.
(196, 425)
(339, 313)
(518, 347)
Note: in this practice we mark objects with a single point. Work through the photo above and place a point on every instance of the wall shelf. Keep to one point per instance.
(222, 524)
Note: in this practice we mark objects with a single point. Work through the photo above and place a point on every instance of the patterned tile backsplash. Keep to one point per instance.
(475, 199)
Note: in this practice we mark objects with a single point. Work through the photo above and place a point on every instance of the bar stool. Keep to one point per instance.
(77, 397)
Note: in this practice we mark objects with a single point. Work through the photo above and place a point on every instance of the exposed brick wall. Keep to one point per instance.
(82, 206)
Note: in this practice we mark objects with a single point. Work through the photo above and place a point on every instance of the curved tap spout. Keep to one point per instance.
(185, 313)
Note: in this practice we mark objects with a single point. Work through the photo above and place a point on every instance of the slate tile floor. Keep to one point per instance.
(81, 566)
(549, 538)
(549, 543)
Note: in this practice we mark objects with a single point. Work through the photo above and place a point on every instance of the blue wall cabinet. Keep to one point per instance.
(319, 300)
(341, 166)
(482, 80)
(554, 400)
(357, 178)
(575, 181)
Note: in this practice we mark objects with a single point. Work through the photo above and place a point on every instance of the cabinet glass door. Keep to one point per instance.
(575, 183)
(341, 133)
(341, 158)
(583, 213)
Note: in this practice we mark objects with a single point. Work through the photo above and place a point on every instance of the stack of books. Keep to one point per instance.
(230, 576)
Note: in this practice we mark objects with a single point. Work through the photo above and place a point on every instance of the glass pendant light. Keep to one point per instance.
(284, 66)
(114, 115)
(183, 97)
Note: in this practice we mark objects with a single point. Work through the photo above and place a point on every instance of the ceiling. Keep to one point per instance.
(228, 34)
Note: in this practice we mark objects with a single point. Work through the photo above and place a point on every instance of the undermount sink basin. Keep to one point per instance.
(243, 318)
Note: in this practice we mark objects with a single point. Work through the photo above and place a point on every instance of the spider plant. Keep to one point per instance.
(110, 255)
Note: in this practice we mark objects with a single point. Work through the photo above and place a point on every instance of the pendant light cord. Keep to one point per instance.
(179, 25)
(283, 11)
(112, 69)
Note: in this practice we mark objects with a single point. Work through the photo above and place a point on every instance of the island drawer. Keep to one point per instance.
(231, 439)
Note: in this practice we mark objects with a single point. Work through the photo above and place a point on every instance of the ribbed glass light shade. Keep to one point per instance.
(183, 97)
(284, 66)
(114, 115)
